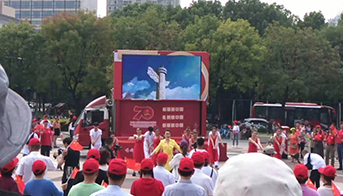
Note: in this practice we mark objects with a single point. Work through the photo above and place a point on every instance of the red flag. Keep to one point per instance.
(335, 190)
(310, 184)
(76, 146)
(75, 171)
(137, 167)
(104, 184)
(20, 183)
(131, 163)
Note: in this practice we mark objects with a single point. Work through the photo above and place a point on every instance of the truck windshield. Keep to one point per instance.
(95, 116)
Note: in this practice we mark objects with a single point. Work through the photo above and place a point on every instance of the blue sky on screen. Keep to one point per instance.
(184, 74)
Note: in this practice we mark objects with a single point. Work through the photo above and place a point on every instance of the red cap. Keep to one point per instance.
(93, 153)
(328, 171)
(301, 171)
(198, 158)
(10, 166)
(34, 141)
(332, 127)
(117, 166)
(147, 164)
(45, 116)
(318, 126)
(90, 166)
(206, 156)
(235, 122)
(186, 164)
(38, 166)
(34, 120)
(162, 158)
(45, 121)
(74, 118)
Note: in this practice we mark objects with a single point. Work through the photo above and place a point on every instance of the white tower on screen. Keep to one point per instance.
(159, 76)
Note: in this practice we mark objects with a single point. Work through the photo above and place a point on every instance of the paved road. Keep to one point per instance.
(55, 176)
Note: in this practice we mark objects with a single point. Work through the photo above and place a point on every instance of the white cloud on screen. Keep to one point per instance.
(135, 85)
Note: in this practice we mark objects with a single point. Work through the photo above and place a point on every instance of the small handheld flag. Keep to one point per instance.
(75, 171)
(76, 146)
(335, 190)
(310, 184)
(20, 183)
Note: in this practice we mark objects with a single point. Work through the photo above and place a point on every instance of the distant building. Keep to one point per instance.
(36, 10)
(113, 5)
(7, 14)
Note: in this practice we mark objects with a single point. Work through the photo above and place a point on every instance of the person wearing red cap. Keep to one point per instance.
(45, 118)
(328, 175)
(35, 130)
(208, 170)
(41, 186)
(25, 164)
(7, 183)
(88, 186)
(160, 173)
(330, 147)
(46, 139)
(147, 185)
(318, 141)
(301, 174)
(339, 142)
(102, 175)
(185, 186)
(235, 131)
(199, 177)
(116, 174)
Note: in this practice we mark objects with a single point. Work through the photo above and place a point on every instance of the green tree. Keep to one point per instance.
(301, 66)
(315, 20)
(259, 14)
(78, 45)
(237, 54)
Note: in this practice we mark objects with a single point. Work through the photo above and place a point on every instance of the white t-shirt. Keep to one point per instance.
(324, 191)
(26, 149)
(208, 170)
(95, 134)
(201, 179)
(235, 129)
(163, 175)
(25, 165)
(49, 123)
(316, 160)
(149, 138)
(197, 150)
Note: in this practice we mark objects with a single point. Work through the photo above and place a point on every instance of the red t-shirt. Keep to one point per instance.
(330, 139)
(319, 137)
(339, 137)
(147, 187)
(46, 137)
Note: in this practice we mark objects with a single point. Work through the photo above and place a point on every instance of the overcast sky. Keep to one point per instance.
(330, 8)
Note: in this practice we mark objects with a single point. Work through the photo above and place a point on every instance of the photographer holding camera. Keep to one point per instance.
(110, 145)
(71, 159)
(198, 146)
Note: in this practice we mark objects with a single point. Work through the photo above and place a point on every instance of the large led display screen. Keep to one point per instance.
(161, 77)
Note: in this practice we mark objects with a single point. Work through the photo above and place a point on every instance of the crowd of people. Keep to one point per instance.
(167, 168)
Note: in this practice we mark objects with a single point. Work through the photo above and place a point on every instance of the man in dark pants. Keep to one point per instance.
(317, 162)
(71, 159)
(339, 141)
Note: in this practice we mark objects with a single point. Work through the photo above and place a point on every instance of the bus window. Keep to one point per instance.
(260, 112)
(324, 116)
(275, 113)
(92, 117)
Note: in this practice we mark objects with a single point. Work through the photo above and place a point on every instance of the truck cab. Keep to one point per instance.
(95, 112)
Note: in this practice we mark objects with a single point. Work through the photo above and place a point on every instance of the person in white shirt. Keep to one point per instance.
(235, 131)
(26, 150)
(317, 162)
(208, 170)
(149, 142)
(160, 173)
(199, 178)
(116, 175)
(175, 162)
(95, 135)
(45, 117)
(25, 164)
(200, 147)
